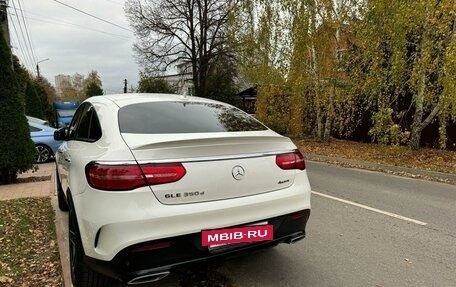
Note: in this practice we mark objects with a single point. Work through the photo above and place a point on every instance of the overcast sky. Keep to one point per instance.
(74, 42)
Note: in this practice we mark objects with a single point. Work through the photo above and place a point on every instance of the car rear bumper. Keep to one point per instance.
(136, 265)
(110, 222)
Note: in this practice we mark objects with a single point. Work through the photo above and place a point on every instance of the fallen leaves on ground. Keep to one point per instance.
(425, 158)
(33, 179)
(203, 276)
(29, 253)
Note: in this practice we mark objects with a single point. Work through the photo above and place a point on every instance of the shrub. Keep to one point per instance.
(273, 108)
(17, 152)
(33, 106)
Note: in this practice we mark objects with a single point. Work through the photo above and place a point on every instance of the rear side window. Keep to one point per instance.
(34, 129)
(184, 117)
(86, 127)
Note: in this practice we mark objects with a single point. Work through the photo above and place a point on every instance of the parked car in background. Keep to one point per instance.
(37, 121)
(64, 112)
(43, 137)
(155, 182)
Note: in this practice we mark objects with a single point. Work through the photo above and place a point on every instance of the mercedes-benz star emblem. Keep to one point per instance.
(238, 172)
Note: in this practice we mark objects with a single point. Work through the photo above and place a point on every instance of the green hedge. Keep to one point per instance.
(17, 151)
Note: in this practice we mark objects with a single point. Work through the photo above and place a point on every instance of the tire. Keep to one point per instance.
(81, 274)
(63, 205)
(43, 153)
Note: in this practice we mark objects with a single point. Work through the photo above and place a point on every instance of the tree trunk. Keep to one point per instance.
(328, 127)
(313, 34)
(319, 124)
(329, 117)
(330, 110)
(415, 137)
(418, 124)
(314, 66)
(418, 129)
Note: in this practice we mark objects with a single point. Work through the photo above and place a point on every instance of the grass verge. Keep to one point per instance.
(29, 253)
(425, 158)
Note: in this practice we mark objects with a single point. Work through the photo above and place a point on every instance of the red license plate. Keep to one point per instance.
(227, 236)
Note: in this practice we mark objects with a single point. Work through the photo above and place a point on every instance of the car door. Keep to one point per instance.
(79, 147)
(63, 157)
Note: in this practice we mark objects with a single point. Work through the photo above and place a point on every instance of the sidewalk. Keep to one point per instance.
(32, 188)
(391, 169)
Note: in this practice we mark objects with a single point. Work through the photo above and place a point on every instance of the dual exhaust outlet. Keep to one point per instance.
(154, 277)
(149, 278)
(296, 237)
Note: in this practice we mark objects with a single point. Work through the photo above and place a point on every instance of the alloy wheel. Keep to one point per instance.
(73, 239)
(42, 154)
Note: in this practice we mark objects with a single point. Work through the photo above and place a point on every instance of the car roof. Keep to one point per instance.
(37, 120)
(40, 126)
(122, 100)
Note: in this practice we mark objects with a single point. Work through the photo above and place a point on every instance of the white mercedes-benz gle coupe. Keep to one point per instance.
(157, 182)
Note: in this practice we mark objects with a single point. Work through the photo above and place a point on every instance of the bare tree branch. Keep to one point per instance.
(180, 31)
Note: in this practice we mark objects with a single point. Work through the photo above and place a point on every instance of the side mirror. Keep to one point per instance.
(61, 134)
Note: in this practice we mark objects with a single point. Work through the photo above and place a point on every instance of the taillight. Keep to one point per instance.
(160, 173)
(292, 160)
(115, 177)
(131, 176)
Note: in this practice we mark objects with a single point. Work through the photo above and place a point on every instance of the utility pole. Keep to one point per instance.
(38, 67)
(4, 25)
(125, 86)
(4, 21)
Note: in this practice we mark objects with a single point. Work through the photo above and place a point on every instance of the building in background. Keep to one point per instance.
(77, 82)
(182, 81)
(68, 87)
(61, 82)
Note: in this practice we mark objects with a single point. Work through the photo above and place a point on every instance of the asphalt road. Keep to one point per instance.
(365, 229)
(348, 245)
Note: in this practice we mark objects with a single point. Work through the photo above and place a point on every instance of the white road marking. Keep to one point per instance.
(371, 209)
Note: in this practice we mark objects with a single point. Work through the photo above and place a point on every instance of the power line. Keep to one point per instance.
(27, 31)
(65, 23)
(21, 48)
(27, 43)
(91, 15)
(62, 23)
(27, 46)
(19, 43)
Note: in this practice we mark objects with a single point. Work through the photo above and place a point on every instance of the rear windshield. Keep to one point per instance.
(184, 117)
(66, 113)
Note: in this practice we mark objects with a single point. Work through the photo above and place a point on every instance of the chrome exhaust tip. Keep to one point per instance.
(149, 278)
(296, 237)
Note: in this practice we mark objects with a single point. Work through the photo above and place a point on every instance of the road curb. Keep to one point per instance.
(404, 171)
(61, 232)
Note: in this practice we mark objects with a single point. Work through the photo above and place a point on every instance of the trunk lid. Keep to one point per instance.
(218, 165)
